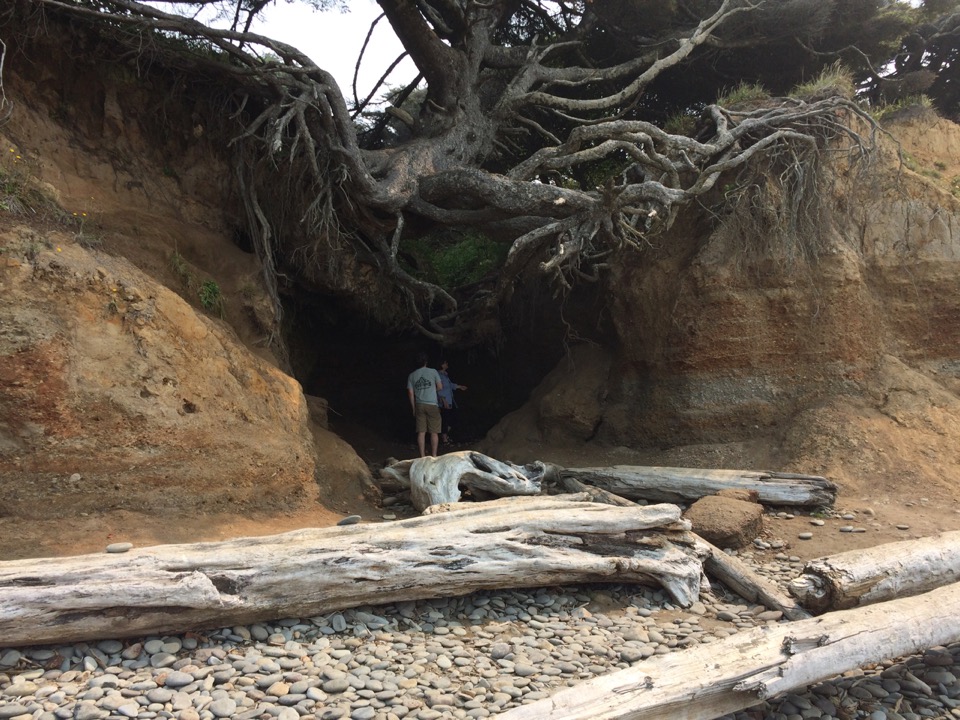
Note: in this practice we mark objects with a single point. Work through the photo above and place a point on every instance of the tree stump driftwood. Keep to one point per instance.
(681, 485)
(454, 550)
(707, 681)
(437, 480)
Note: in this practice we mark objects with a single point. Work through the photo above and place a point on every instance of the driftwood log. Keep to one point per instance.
(569, 484)
(884, 572)
(748, 584)
(737, 672)
(437, 480)
(512, 542)
(664, 484)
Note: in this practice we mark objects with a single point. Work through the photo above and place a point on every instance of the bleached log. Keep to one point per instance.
(741, 578)
(739, 671)
(506, 543)
(396, 475)
(570, 484)
(435, 480)
(665, 484)
(876, 574)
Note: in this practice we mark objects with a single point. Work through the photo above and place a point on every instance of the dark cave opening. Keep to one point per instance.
(361, 369)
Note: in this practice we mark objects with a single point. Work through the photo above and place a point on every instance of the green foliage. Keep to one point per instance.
(452, 258)
(15, 176)
(177, 43)
(683, 123)
(210, 297)
(890, 110)
(743, 93)
(833, 80)
(181, 270)
(596, 174)
(955, 186)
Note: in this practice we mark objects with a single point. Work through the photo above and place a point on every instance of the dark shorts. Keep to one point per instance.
(428, 418)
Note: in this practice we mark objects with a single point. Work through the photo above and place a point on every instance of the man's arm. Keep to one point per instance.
(413, 402)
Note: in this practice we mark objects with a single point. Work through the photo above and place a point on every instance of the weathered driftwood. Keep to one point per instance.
(570, 484)
(436, 480)
(876, 574)
(664, 484)
(512, 542)
(739, 671)
(396, 475)
(741, 578)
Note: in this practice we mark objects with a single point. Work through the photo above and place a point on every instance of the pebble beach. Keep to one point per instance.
(468, 657)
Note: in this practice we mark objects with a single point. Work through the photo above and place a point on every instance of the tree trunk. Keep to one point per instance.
(739, 577)
(663, 484)
(884, 572)
(512, 542)
(734, 673)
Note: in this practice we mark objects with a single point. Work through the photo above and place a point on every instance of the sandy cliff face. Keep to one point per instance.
(106, 374)
(848, 367)
(116, 211)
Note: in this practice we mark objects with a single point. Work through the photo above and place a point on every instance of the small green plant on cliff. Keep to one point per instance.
(911, 102)
(683, 123)
(955, 186)
(743, 93)
(85, 234)
(834, 80)
(210, 297)
(181, 270)
(15, 175)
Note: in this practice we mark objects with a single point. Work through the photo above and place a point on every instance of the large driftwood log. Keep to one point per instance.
(883, 572)
(569, 484)
(664, 484)
(743, 580)
(512, 542)
(739, 671)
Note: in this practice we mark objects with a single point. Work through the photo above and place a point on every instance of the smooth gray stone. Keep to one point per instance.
(335, 686)
(110, 647)
(224, 708)
(9, 658)
(9, 711)
(178, 679)
(88, 711)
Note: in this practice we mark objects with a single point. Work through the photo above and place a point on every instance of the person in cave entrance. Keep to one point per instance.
(448, 405)
(423, 385)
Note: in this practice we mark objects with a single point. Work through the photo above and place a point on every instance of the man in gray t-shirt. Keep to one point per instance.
(422, 386)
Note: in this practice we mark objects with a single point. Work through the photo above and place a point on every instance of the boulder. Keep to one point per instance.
(725, 521)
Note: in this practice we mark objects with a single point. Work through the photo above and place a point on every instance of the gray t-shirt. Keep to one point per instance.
(423, 382)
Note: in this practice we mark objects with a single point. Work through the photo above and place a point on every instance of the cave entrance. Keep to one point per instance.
(360, 368)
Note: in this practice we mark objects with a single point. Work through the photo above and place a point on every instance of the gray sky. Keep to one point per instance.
(333, 41)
